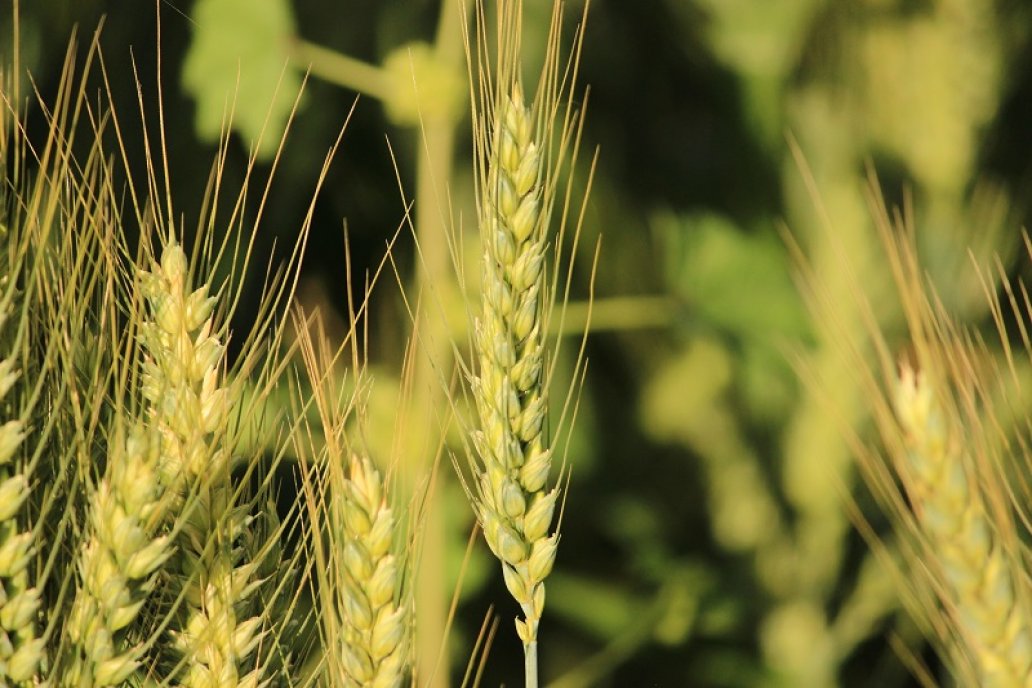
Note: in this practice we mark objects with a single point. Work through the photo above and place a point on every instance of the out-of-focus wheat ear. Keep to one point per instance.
(513, 506)
(20, 650)
(117, 563)
(977, 573)
(375, 644)
(214, 632)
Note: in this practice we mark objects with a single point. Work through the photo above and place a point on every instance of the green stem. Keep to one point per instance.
(341, 70)
(530, 667)
(435, 284)
(434, 279)
(619, 313)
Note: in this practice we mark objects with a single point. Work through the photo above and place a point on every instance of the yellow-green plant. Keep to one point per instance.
(358, 545)
(182, 373)
(56, 229)
(516, 192)
(20, 649)
(260, 57)
(188, 407)
(137, 541)
(512, 505)
(420, 85)
(949, 467)
(137, 544)
(376, 646)
(118, 562)
(979, 580)
(842, 79)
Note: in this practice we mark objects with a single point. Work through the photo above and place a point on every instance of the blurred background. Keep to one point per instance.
(707, 536)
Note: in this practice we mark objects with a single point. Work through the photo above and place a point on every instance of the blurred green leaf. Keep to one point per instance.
(605, 610)
(237, 65)
(738, 282)
(609, 611)
(756, 36)
(680, 400)
(767, 383)
(423, 86)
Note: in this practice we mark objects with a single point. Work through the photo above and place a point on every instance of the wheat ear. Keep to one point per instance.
(181, 373)
(375, 646)
(979, 581)
(513, 507)
(118, 563)
(188, 405)
(20, 650)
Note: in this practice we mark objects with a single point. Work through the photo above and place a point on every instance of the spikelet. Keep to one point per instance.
(117, 564)
(375, 639)
(188, 405)
(513, 506)
(20, 650)
(979, 580)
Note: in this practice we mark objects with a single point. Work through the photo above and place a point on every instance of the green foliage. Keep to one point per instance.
(740, 285)
(738, 282)
(238, 70)
(423, 87)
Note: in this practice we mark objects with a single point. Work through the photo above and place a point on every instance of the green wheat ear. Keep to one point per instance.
(117, 564)
(522, 149)
(216, 632)
(375, 651)
(181, 377)
(360, 549)
(993, 622)
(513, 507)
(20, 650)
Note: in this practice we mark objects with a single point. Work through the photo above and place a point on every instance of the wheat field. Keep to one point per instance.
(515, 342)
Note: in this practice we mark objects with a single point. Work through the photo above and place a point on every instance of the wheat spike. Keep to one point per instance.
(991, 618)
(188, 406)
(117, 564)
(375, 646)
(20, 650)
(181, 372)
(514, 509)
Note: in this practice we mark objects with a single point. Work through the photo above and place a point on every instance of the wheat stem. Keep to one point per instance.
(530, 664)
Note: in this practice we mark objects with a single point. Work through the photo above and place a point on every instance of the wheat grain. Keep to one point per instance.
(513, 507)
(977, 573)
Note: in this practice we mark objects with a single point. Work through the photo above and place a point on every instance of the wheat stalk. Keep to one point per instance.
(20, 650)
(962, 538)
